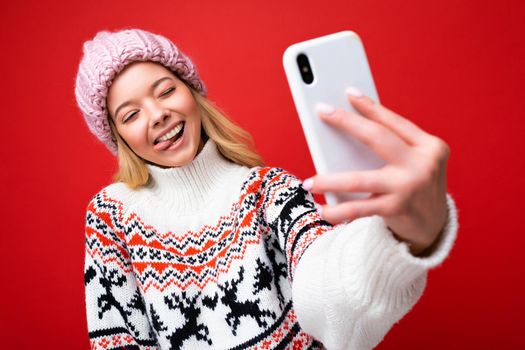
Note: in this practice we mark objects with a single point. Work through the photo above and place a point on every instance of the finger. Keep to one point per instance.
(374, 181)
(404, 128)
(386, 144)
(354, 209)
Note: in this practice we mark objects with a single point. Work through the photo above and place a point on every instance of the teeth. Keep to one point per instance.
(171, 133)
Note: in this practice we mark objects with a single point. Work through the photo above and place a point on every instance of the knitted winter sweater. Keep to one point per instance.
(217, 255)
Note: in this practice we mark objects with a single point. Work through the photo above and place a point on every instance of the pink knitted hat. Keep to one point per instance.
(106, 55)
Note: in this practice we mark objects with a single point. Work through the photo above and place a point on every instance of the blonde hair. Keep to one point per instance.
(233, 142)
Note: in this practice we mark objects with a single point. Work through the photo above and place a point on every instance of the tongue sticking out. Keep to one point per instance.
(165, 144)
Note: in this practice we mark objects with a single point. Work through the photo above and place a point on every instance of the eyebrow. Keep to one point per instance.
(153, 86)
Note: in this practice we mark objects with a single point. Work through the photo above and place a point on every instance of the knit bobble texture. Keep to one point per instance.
(106, 55)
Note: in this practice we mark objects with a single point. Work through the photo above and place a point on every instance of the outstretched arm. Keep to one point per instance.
(350, 282)
(352, 285)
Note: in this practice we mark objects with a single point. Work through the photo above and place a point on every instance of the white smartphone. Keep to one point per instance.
(319, 71)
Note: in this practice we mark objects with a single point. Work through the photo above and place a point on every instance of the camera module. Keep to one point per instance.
(305, 68)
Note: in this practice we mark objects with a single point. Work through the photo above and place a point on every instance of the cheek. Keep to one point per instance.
(189, 104)
(194, 114)
(136, 136)
(197, 123)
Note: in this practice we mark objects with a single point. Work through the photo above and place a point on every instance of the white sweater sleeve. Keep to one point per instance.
(353, 283)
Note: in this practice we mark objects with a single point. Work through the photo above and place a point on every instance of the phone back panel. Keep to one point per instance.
(337, 62)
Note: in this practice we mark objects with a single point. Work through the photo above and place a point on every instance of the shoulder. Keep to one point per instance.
(276, 174)
(104, 216)
(264, 179)
(112, 195)
(269, 173)
(105, 213)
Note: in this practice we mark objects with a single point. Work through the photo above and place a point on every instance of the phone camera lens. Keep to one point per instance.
(305, 69)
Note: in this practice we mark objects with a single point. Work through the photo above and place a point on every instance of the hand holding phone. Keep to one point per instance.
(408, 188)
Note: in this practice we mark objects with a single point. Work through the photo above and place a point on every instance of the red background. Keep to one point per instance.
(454, 67)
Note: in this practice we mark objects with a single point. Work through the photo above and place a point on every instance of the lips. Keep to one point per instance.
(167, 131)
(175, 134)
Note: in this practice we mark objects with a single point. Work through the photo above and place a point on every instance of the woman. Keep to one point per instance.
(198, 245)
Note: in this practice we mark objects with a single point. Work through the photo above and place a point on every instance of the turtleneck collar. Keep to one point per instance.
(192, 185)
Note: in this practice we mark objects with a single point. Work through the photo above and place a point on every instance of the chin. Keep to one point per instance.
(179, 160)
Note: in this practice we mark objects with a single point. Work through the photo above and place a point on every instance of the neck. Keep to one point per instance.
(192, 185)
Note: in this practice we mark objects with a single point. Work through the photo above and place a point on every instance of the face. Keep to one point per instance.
(156, 114)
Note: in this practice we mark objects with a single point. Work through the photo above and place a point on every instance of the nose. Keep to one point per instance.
(158, 114)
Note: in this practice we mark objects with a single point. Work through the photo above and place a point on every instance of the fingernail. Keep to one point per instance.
(308, 184)
(325, 108)
(319, 209)
(353, 91)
